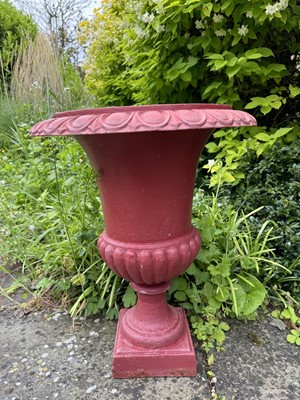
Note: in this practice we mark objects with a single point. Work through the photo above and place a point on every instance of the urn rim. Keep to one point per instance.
(145, 118)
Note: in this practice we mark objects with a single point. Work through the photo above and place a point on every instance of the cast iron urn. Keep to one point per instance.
(145, 158)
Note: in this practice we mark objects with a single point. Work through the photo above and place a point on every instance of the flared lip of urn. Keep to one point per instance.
(139, 108)
(144, 118)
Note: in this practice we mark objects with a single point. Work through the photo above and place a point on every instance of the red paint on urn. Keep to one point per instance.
(145, 158)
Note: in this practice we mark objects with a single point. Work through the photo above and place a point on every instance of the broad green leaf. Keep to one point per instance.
(282, 131)
(192, 61)
(265, 109)
(207, 9)
(212, 147)
(231, 71)
(215, 56)
(212, 86)
(263, 137)
(172, 74)
(196, 273)
(265, 51)
(250, 66)
(180, 296)
(294, 90)
(253, 300)
(259, 52)
(186, 76)
(227, 177)
(277, 67)
(252, 56)
(240, 296)
(218, 64)
(223, 294)
(261, 149)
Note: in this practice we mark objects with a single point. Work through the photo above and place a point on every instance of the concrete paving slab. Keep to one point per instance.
(48, 359)
(258, 364)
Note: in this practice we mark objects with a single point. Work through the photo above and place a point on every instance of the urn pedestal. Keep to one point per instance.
(145, 158)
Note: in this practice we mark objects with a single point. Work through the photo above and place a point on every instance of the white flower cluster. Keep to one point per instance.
(139, 31)
(35, 85)
(199, 24)
(147, 18)
(249, 14)
(281, 5)
(220, 32)
(160, 9)
(243, 30)
(218, 18)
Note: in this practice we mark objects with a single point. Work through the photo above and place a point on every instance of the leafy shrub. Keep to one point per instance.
(242, 53)
(170, 48)
(226, 279)
(274, 182)
(15, 29)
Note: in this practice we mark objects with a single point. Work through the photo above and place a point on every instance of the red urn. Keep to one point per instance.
(145, 158)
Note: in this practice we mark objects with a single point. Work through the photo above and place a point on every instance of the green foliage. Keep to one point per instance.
(231, 147)
(15, 29)
(273, 182)
(245, 54)
(51, 217)
(170, 48)
(226, 277)
(289, 315)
